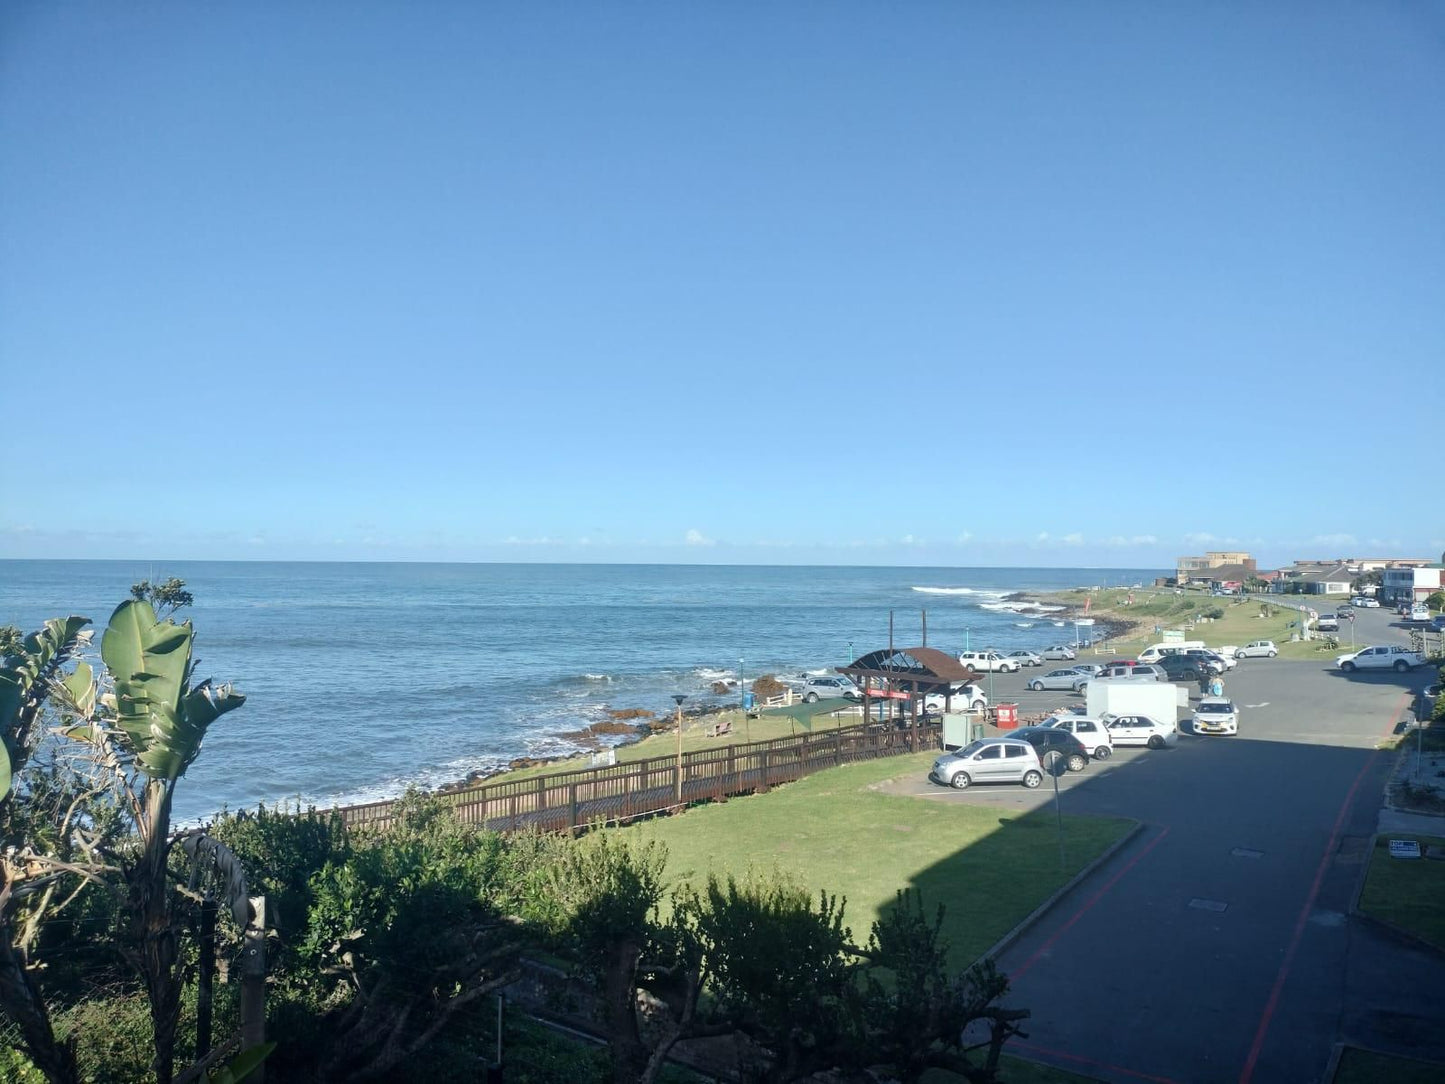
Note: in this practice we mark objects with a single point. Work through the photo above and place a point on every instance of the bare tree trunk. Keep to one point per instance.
(154, 949)
(619, 996)
(22, 1002)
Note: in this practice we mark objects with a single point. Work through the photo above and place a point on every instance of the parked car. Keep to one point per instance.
(1121, 662)
(1185, 667)
(1327, 623)
(985, 661)
(1055, 746)
(1217, 662)
(1437, 623)
(1257, 649)
(1026, 658)
(820, 688)
(1059, 651)
(1140, 730)
(1216, 715)
(1384, 657)
(989, 760)
(1091, 732)
(1068, 678)
(1142, 672)
(1090, 668)
(961, 697)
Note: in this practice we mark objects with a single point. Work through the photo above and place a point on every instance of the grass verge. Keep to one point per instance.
(1406, 892)
(839, 831)
(1365, 1067)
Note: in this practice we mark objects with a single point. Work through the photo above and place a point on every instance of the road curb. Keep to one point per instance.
(1003, 943)
(1333, 1065)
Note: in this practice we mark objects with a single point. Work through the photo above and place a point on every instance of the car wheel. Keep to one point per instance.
(1078, 762)
(811, 698)
(1051, 758)
(1401, 666)
(960, 781)
(1348, 667)
(1104, 752)
(1272, 654)
(1032, 778)
(977, 705)
(1036, 686)
(1156, 742)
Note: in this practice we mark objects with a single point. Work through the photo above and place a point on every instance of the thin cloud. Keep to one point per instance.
(697, 538)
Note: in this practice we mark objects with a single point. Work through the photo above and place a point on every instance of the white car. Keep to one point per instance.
(1216, 715)
(1067, 678)
(1092, 732)
(961, 697)
(821, 688)
(1140, 730)
(1257, 649)
(1026, 658)
(1059, 651)
(1391, 657)
(985, 661)
(1368, 603)
(989, 760)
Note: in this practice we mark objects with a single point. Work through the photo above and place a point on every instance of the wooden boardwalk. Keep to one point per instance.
(617, 793)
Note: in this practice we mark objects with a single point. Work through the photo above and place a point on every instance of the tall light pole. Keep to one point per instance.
(678, 698)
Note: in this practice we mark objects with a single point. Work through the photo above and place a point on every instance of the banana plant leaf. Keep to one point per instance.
(163, 721)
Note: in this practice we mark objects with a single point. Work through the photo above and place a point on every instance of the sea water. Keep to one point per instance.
(364, 679)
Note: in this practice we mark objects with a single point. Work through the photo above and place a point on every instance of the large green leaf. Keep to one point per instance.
(163, 721)
(25, 677)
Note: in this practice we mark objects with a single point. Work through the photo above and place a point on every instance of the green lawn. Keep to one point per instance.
(1242, 622)
(1363, 1067)
(836, 831)
(1407, 892)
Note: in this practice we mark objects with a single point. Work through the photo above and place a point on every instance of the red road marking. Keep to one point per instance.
(1026, 1047)
(1095, 898)
(1299, 926)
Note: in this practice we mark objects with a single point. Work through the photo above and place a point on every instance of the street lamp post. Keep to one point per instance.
(678, 698)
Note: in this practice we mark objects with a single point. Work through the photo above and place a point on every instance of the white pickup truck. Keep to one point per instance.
(1382, 657)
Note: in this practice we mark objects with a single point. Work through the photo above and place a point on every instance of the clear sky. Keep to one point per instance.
(860, 283)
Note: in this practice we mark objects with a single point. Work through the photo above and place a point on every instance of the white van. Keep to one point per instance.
(1155, 652)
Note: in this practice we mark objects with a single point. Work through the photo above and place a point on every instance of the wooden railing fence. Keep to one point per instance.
(569, 800)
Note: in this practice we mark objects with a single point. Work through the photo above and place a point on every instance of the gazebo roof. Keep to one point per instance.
(923, 669)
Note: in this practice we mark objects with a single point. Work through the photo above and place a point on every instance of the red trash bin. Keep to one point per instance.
(1008, 716)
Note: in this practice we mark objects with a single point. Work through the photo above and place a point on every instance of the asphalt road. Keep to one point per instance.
(1217, 946)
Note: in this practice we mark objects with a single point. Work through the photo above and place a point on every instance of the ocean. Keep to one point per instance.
(363, 679)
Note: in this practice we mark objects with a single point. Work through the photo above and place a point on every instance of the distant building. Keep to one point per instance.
(1412, 584)
(1376, 564)
(1214, 567)
(1314, 578)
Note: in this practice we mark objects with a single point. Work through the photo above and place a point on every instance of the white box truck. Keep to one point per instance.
(1159, 700)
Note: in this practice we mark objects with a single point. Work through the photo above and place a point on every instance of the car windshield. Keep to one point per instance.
(969, 749)
(1225, 708)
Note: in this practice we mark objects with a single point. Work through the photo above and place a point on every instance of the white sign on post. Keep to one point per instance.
(1404, 848)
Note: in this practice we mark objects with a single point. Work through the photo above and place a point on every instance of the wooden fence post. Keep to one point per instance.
(253, 984)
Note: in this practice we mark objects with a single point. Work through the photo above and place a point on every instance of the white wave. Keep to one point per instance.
(960, 591)
(708, 673)
(1023, 624)
(597, 677)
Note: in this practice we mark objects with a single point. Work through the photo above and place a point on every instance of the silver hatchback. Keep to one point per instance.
(989, 760)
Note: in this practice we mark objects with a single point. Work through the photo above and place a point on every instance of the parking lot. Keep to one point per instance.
(1216, 946)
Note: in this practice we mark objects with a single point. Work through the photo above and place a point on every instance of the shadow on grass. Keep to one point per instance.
(1366, 1067)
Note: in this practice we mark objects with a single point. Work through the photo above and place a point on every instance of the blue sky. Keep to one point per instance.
(937, 284)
